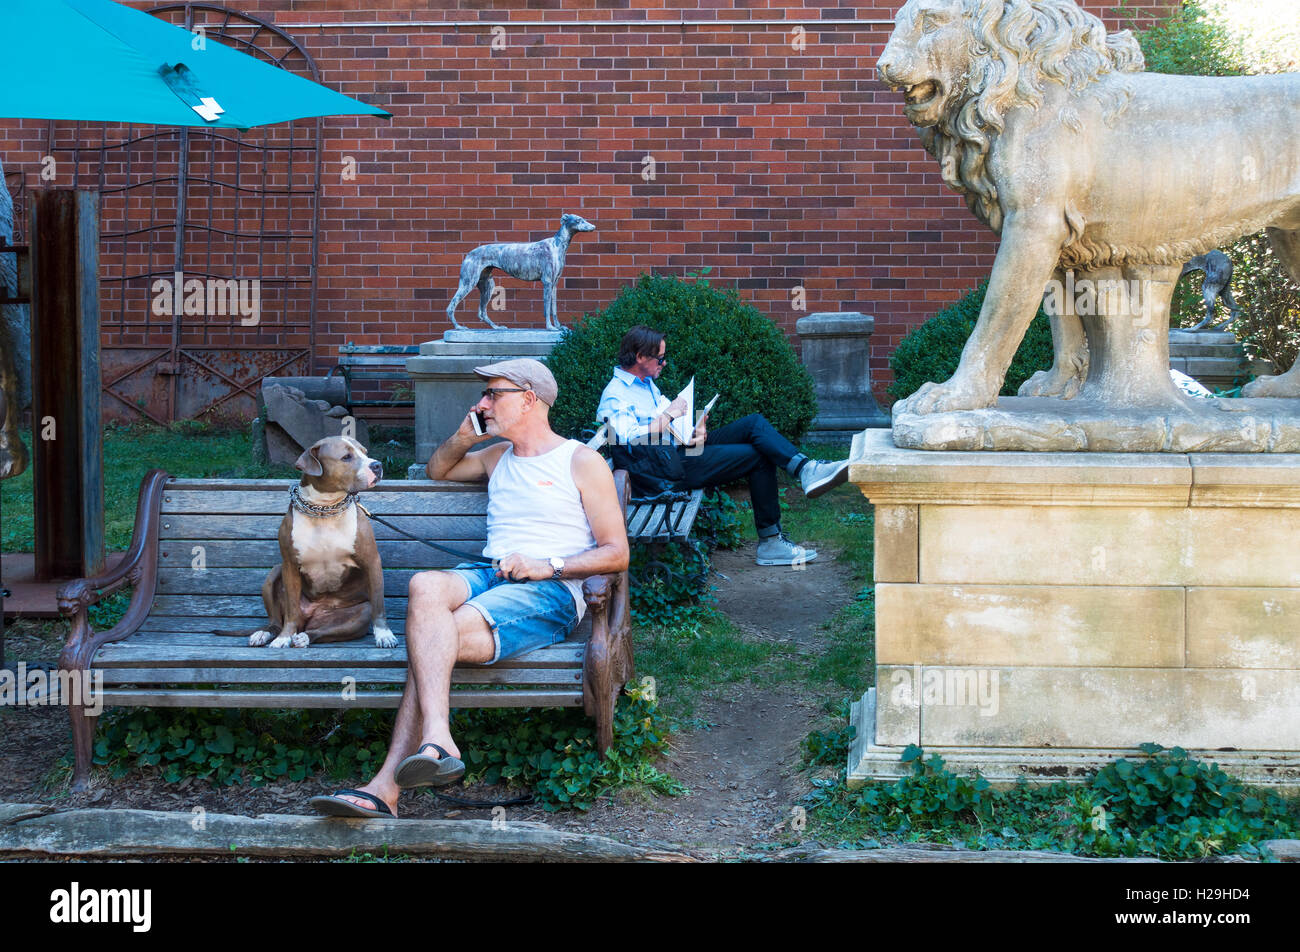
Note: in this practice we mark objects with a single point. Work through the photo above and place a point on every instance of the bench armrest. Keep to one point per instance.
(139, 568)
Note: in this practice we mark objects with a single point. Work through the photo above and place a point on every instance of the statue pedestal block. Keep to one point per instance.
(1215, 359)
(836, 351)
(1038, 614)
(446, 386)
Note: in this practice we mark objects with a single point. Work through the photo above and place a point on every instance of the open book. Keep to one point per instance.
(683, 426)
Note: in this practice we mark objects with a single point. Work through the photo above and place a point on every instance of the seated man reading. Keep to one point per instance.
(638, 417)
(553, 519)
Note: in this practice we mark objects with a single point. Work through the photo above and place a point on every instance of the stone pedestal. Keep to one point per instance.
(836, 351)
(1040, 613)
(1216, 359)
(446, 386)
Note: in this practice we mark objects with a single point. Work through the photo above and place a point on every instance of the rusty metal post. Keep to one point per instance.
(68, 483)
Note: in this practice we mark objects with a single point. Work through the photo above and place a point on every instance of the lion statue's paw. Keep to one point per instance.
(945, 397)
(1051, 383)
(1269, 385)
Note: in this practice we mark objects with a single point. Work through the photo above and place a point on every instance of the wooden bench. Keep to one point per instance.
(658, 519)
(199, 554)
(360, 362)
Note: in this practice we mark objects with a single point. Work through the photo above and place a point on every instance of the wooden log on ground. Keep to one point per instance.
(28, 830)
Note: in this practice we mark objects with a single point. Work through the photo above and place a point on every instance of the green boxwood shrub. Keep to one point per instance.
(931, 352)
(727, 344)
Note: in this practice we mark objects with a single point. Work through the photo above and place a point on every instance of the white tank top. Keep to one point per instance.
(534, 508)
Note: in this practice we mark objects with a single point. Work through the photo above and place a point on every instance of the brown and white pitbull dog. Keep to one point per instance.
(330, 583)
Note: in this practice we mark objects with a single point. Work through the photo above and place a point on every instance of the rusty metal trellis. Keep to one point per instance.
(212, 205)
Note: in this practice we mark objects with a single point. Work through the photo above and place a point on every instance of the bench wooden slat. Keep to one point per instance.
(686, 515)
(217, 607)
(412, 486)
(386, 505)
(267, 526)
(657, 527)
(188, 581)
(362, 676)
(230, 653)
(263, 554)
(183, 697)
(376, 360)
(643, 516)
(170, 629)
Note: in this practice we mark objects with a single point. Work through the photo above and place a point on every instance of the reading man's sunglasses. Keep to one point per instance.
(493, 392)
(662, 360)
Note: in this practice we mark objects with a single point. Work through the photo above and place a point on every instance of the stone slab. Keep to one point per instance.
(438, 367)
(1103, 626)
(897, 543)
(898, 720)
(887, 474)
(485, 353)
(1078, 545)
(1243, 628)
(871, 760)
(508, 336)
(1268, 481)
(835, 324)
(1105, 707)
(1186, 340)
(1044, 424)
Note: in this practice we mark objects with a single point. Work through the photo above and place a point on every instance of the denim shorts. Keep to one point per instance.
(522, 615)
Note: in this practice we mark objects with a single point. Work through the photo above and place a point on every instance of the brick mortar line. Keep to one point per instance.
(523, 24)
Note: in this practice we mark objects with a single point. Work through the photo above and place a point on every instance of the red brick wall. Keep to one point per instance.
(779, 167)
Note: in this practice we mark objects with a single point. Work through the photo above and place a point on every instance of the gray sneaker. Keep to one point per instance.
(818, 476)
(778, 550)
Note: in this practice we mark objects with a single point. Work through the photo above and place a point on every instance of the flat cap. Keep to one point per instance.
(527, 373)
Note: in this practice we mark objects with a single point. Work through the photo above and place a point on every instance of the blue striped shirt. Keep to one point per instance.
(629, 405)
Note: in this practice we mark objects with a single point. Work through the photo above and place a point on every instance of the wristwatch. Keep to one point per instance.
(557, 566)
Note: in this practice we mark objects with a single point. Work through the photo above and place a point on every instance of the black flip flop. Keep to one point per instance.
(332, 805)
(420, 770)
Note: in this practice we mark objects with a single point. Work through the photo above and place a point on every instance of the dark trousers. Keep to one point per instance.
(750, 448)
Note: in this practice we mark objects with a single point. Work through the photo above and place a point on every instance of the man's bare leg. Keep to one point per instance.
(440, 630)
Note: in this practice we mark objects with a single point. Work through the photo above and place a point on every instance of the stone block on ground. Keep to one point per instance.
(294, 423)
(836, 349)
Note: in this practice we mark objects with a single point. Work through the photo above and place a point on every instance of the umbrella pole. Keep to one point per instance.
(68, 474)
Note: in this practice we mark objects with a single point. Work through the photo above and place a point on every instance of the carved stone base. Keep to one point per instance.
(1038, 614)
(1003, 767)
(1184, 425)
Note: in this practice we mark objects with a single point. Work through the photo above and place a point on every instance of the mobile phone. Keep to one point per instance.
(477, 421)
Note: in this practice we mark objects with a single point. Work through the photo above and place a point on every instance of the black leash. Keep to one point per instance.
(474, 558)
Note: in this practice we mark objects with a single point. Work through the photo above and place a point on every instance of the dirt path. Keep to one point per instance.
(742, 770)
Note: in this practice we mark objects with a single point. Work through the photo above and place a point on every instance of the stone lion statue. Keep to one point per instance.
(1085, 164)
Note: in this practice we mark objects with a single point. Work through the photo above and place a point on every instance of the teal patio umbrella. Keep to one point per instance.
(99, 61)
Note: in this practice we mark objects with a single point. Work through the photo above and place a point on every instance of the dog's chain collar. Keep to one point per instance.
(320, 512)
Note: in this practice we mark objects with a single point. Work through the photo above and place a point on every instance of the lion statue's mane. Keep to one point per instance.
(1014, 48)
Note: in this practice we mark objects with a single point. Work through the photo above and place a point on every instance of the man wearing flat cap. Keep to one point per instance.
(553, 519)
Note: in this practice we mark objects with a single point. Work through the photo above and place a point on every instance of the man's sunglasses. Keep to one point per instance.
(662, 360)
(493, 392)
